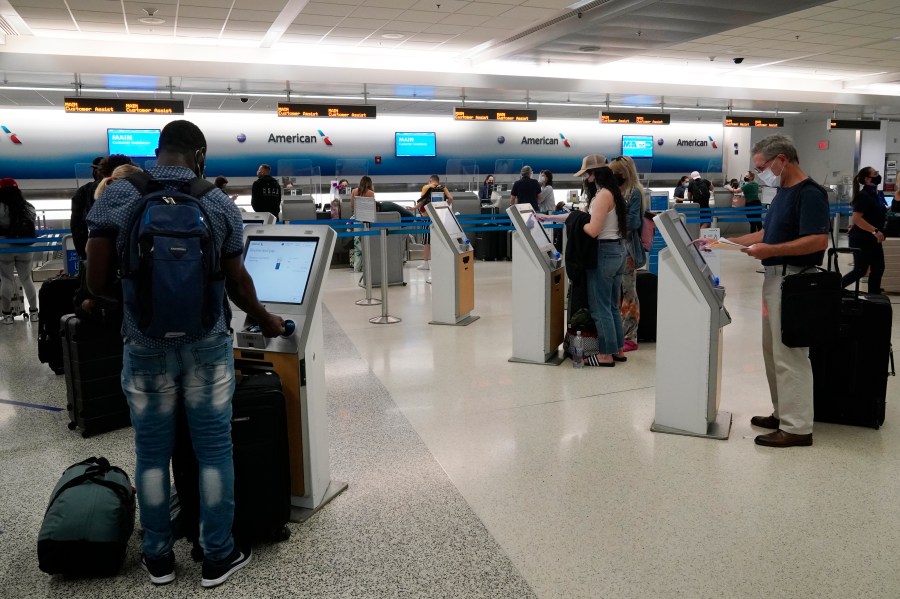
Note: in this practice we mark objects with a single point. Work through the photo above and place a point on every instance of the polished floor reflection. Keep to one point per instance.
(471, 476)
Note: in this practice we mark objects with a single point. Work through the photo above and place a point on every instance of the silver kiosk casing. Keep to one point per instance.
(257, 218)
(452, 268)
(690, 316)
(538, 291)
(280, 260)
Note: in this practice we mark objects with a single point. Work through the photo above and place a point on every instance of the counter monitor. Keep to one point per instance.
(637, 146)
(422, 144)
(280, 267)
(134, 143)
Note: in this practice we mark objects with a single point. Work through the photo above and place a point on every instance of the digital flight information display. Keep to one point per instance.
(491, 114)
(123, 106)
(753, 121)
(846, 124)
(328, 111)
(635, 118)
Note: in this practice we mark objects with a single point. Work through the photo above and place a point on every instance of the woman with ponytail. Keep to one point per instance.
(868, 218)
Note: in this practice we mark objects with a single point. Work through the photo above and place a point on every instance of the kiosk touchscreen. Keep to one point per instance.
(539, 290)
(257, 218)
(690, 316)
(452, 268)
(288, 264)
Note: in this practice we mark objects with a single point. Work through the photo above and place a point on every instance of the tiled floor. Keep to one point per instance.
(472, 476)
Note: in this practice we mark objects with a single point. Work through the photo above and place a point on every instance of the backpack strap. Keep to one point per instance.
(141, 181)
(199, 187)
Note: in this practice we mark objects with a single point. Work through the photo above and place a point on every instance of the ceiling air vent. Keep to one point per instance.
(6, 28)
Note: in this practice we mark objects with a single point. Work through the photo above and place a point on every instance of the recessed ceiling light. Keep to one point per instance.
(152, 21)
(393, 36)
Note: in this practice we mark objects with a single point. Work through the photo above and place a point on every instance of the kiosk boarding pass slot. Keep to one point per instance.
(689, 339)
(257, 218)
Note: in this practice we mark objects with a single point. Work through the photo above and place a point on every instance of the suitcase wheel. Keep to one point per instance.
(85, 434)
(283, 535)
(72, 426)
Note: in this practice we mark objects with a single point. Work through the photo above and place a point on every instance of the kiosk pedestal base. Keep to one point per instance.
(459, 323)
(302, 514)
(720, 429)
(554, 360)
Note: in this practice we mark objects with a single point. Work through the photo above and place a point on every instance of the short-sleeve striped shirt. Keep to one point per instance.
(113, 213)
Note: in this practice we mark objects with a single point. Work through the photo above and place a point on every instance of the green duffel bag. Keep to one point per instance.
(88, 521)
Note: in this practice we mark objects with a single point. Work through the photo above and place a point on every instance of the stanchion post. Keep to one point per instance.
(367, 271)
(384, 318)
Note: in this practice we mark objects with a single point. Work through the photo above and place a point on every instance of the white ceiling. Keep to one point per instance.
(802, 59)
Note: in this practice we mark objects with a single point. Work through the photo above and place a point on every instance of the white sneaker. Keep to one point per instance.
(7, 319)
(33, 315)
(424, 266)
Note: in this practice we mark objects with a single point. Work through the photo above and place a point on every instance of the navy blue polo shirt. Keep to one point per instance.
(796, 211)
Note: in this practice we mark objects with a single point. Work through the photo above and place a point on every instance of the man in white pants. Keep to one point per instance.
(13, 205)
(794, 236)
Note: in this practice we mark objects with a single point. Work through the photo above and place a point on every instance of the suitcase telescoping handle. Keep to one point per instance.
(832, 255)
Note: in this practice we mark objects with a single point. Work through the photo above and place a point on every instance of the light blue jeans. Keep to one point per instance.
(604, 288)
(202, 375)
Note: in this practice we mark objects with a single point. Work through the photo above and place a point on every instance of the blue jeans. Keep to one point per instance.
(604, 288)
(202, 375)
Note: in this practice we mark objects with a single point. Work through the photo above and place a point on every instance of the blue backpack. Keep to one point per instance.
(172, 279)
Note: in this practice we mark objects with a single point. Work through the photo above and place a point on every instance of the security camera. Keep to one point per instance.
(245, 99)
(738, 60)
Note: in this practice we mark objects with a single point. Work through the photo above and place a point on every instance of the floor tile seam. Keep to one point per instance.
(389, 397)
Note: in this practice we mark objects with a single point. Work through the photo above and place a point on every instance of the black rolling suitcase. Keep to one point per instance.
(262, 480)
(55, 299)
(92, 355)
(646, 285)
(850, 372)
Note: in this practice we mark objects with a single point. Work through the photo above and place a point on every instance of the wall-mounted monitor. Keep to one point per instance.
(637, 146)
(135, 143)
(280, 267)
(415, 144)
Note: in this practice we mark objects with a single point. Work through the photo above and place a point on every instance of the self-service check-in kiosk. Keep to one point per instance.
(690, 316)
(539, 290)
(257, 218)
(294, 208)
(452, 268)
(288, 264)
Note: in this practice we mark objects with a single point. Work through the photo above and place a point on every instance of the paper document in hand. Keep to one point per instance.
(725, 244)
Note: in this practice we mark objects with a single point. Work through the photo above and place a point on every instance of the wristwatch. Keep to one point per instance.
(875, 232)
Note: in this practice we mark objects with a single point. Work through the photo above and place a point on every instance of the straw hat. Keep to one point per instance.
(591, 162)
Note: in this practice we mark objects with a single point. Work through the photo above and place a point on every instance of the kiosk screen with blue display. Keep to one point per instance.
(280, 267)
(135, 143)
(637, 146)
(415, 144)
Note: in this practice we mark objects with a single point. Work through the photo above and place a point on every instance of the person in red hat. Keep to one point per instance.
(16, 222)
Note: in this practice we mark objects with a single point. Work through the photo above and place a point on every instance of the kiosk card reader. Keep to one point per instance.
(288, 264)
(452, 268)
(690, 316)
(539, 290)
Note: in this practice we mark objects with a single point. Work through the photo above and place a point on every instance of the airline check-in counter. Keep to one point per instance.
(452, 268)
(288, 264)
(298, 208)
(539, 290)
(690, 316)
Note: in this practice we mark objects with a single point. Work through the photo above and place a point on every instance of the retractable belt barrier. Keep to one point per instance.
(49, 240)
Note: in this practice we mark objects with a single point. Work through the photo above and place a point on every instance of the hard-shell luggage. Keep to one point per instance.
(262, 480)
(55, 299)
(92, 354)
(850, 371)
(646, 285)
(488, 244)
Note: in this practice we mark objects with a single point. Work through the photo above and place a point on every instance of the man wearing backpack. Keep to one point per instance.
(160, 229)
(699, 191)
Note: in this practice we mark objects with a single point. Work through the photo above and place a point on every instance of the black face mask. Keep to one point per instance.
(876, 180)
(620, 180)
(746, 179)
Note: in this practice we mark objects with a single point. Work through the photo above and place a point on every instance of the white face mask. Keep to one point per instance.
(769, 178)
(542, 179)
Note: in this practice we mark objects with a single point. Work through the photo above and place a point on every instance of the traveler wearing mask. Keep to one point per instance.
(869, 210)
(546, 200)
(750, 188)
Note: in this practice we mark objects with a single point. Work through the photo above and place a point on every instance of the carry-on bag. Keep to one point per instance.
(92, 356)
(850, 370)
(810, 306)
(55, 299)
(88, 521)
(647, 286)
(262, 480)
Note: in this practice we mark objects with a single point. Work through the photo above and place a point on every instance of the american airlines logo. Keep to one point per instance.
(698, 143)
(12, 136)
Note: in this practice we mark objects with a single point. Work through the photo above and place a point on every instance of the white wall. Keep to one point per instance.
(829, 165)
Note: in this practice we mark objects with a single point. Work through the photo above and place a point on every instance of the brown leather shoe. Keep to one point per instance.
(782, 439)
(765, 422)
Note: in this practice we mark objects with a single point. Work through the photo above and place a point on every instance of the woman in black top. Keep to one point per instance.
(868, 220)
